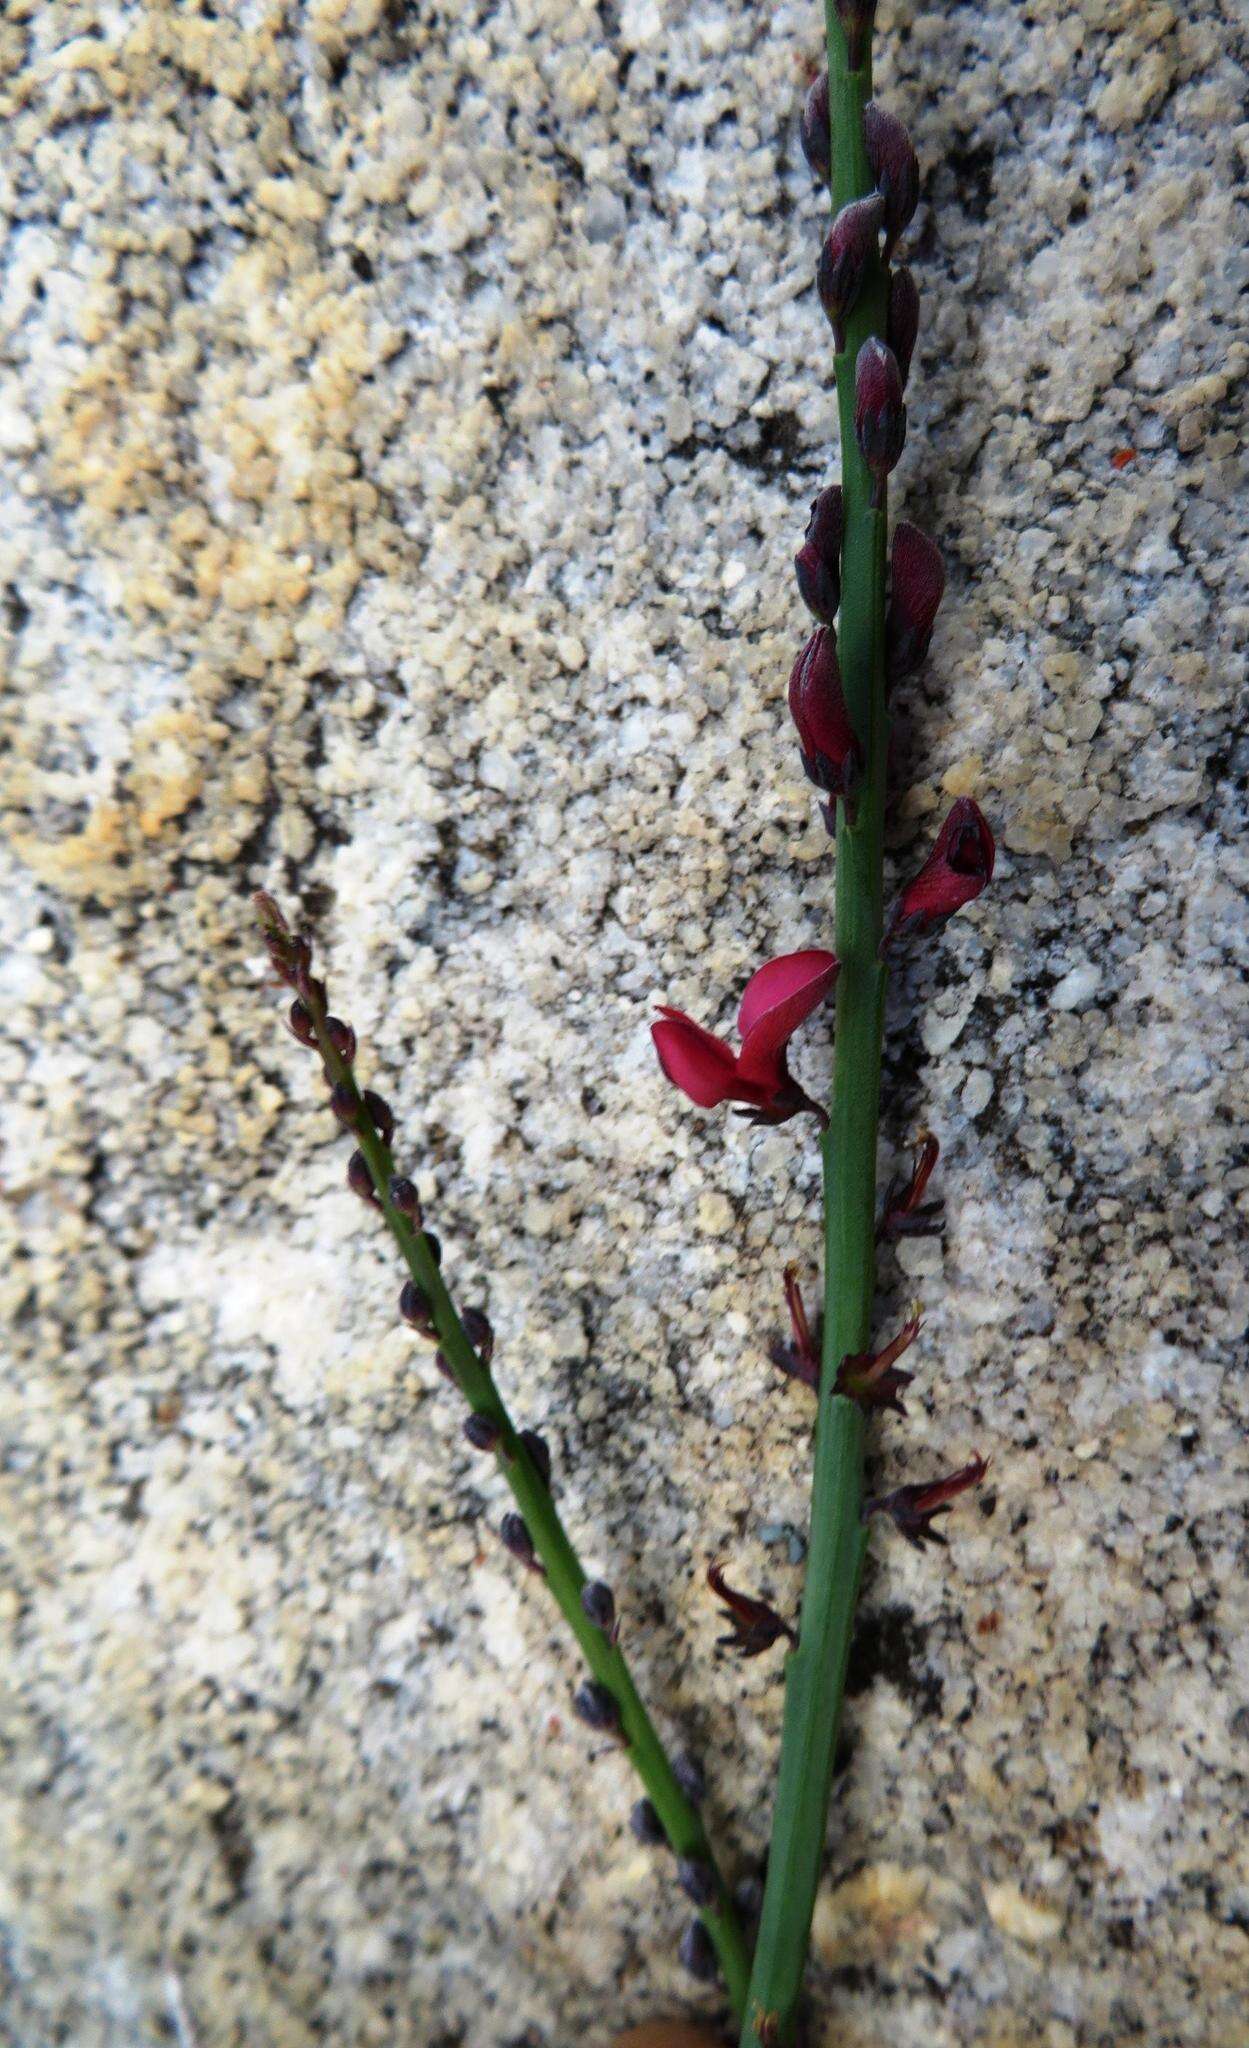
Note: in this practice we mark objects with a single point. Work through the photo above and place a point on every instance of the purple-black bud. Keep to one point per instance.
(433, 1246)
(856, 18)
(343, 1104)
(342, 1038)
(916, 585)
(593, 1704)
(299, 1017)
(360, 1180)
(697, 1880)
(380, 1114)
(817, 142)
(599, 1605)
(895, 170)
(480, 1334)
(442, 1364)
(697, 1953)
(482, 1431)
(879, 413)
(817, 563)
(902, 319)
(516, 1538)
(691, 1777)
(748, 1897)
(416, 1309)
(849, 243)
(646, 1824)
(539, 1453)
(405, 1199)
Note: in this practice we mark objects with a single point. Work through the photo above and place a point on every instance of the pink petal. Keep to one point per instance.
(777, 999)
(701, 1065)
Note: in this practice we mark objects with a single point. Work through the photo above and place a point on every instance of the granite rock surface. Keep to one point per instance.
(407, 413)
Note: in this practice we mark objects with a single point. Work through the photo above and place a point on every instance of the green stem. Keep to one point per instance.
(816, 1672)
(565, 1577)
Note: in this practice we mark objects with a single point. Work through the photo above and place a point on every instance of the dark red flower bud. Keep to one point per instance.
(299, 1017)
(849, 243)
(753, 1625)
(478, 1330)
(443, 1365)
(817, 563)
(831, 756)
(539, 1454)
(416, 1309)
(902, 319)
(912, 1508)
(342, 1038)
(801, 1357)
(360, 1180)
(380, 1115)
(856, 18)
(518, 1541)
(593, 1704)
(482, 1431)
(871, 1377)
(817, 141)
(599, 1605)
(697, 1953)
(895, 169)
(405, 1199)
(916, 587)
(289, 957)
(697, 1880)
(905, 1213)
(646, 1824)
(433, 1246)
(344, 1105)
(879, 413)
(691, 1777)
(955, 872)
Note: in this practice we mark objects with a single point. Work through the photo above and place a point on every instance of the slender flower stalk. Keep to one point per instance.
(607, 1702)
(874, 313)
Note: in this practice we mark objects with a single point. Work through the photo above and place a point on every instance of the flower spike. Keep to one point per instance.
(753, 1625)
(958, 868)
(913, 1508)
(778, 998)
(801, 1357)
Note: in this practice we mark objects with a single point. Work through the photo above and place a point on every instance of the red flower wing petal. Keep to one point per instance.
(701, 1065)
(777, 999)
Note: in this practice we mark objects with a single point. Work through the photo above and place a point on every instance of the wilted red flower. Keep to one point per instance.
(849, 243)
(879, 413)
(817, 563)
(801, 1357)
(895, 169)
(871, 1377)
(912, 1508)
(831, 756)
(753, 1625)
(916, 587)
(906, 1213)
(955, 872)
(777, 999)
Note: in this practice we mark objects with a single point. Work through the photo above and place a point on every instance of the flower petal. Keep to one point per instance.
(701, 1065)
(777, 999)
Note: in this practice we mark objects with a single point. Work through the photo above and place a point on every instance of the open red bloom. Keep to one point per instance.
(777, 999)
(955, 872)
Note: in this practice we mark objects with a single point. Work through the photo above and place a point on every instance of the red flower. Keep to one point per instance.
(916, 586)
(912, 1507)
(955, 872)
(800, 1358)
(848, 245)
(895, 170)
(753, 1625)
(831, 756)
(777, 999)
(879, 413)
(817, 563)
